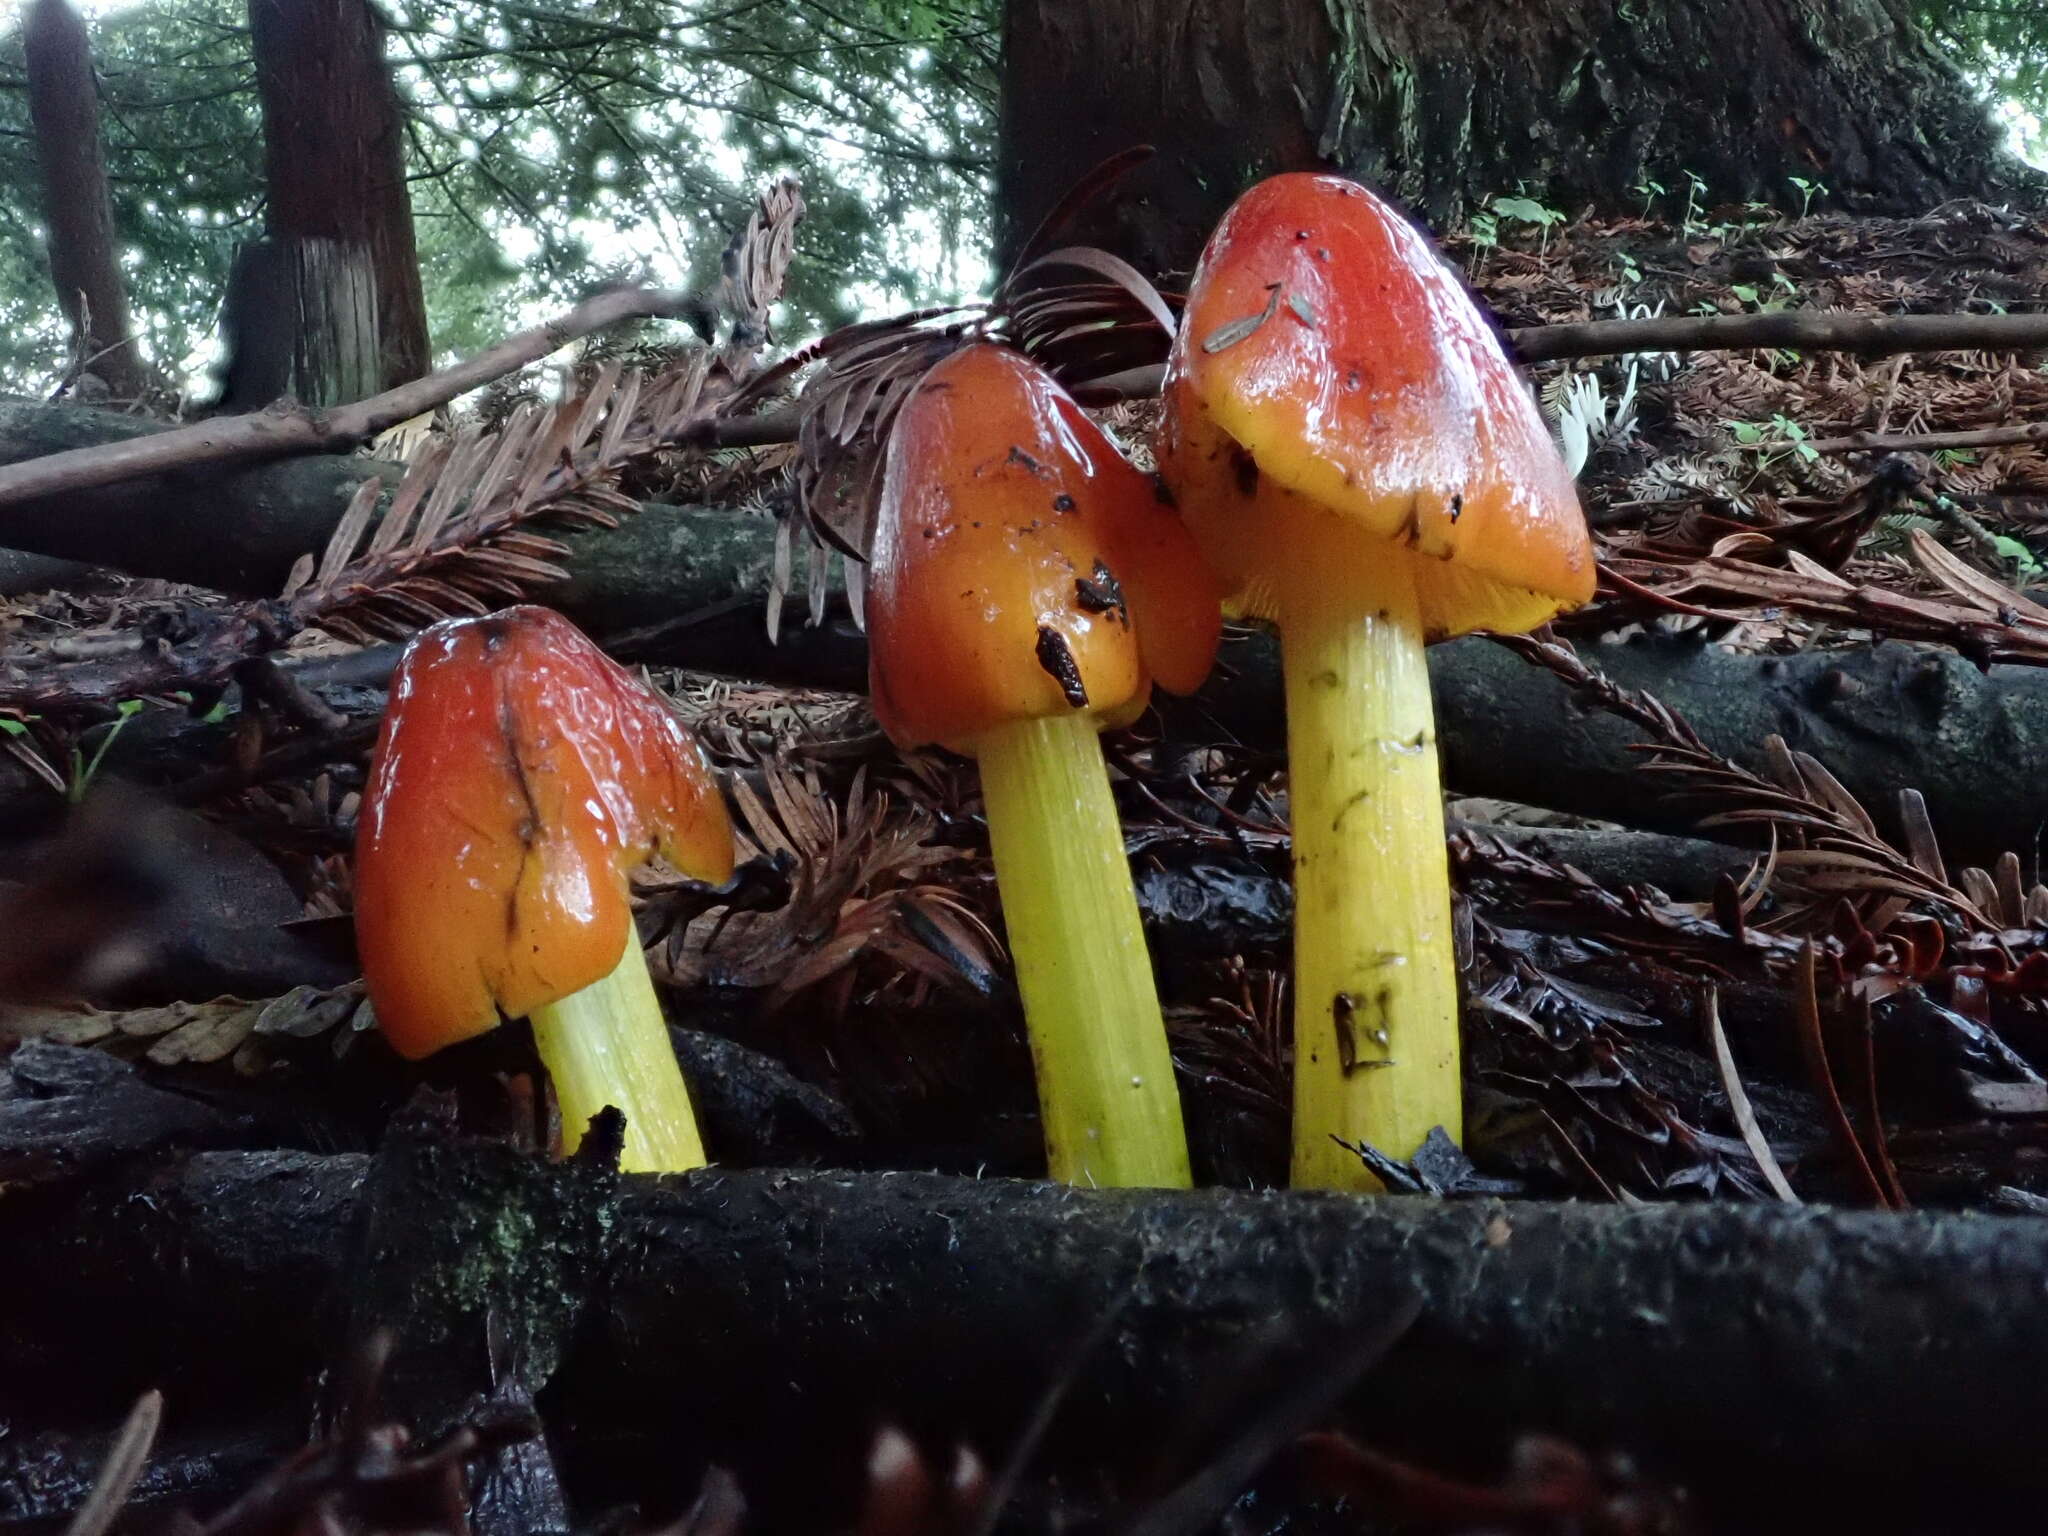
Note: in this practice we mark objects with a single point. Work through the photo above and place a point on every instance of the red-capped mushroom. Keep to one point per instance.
(1355, 454)
(519, 776)
(1027, 587)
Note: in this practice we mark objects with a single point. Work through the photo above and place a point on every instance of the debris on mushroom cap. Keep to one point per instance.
(520, 774)
(1022, 567)
(1332, 377)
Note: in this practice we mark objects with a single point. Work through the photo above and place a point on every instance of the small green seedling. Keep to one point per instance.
(1808, 191)
(82, 771)
(1694, 187)
(1526, 210)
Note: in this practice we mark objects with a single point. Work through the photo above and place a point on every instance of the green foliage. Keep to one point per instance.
(1695, 188)
(1526, 210)
(183, 143)
(552, 147)
(84, 770)
(2021, 557)
(1776, 437)
(2004, 45)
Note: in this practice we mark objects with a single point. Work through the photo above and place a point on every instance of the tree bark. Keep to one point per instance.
(63, 103)
(334, 159)
(1441, 105)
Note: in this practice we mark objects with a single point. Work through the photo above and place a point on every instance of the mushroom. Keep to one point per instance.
(1356, 456)
(519, 776)
(1027, 586)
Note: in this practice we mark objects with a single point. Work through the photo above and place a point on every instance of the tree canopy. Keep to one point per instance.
(553, 148)
(550, 150)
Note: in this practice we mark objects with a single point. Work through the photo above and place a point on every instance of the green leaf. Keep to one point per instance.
(2016, 552)
(1528, 210)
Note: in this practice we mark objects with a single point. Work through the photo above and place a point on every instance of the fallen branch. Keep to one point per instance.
(1882, 718)
(1807, 330)
(1855, 1355)
(279, 433)
(1924, 442)
(237, 531)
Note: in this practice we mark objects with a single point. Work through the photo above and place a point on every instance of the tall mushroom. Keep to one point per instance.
(519, 776)
(1027, 586)
(1356, 456)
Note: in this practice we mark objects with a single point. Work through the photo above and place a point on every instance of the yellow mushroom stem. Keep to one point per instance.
(1376, 987)
(608, 1044)
(1105, 1078)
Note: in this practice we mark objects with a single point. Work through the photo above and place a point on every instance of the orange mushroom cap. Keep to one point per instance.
(1333, 393)
(519, 775)
(1021, 567)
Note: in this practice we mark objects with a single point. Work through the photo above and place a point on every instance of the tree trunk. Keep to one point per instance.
(1443, 103)
(63, 103)
(339, 327)
(334, 163)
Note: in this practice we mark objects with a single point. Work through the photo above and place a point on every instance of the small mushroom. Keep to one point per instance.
(520, 775)
(1027, 586)
(1356, 456)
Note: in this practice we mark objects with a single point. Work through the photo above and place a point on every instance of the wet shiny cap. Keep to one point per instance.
(1021, 567)
(519, 775)
(1333, 392)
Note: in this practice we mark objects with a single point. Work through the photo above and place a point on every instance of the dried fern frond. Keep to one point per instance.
(855, 892)
(462, 531)
(1827, 848)
(1100, 337)
(459, 534)
(1959, 606)
(753, 267)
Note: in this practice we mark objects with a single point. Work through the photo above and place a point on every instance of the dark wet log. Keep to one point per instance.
(238, 530)
(65, 1113)
(682, 586)
(1881, 718)
(1863, 1356)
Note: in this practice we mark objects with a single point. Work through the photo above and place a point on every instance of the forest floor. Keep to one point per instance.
(1751, 915)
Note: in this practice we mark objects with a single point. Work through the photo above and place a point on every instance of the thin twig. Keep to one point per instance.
(1813, 1046)
(1802, 329)
(1929, 442)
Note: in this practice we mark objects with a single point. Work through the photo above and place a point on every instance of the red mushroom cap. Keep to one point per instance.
(1022, 567)
(1334, 398)
(520, 774)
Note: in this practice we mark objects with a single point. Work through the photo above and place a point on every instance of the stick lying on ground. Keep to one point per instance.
(1867, 1354)
(280, 434)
